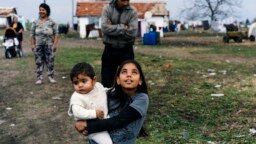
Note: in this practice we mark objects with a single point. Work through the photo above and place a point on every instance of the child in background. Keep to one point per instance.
(89, 101)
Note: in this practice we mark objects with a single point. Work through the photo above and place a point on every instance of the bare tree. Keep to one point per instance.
(211, 9)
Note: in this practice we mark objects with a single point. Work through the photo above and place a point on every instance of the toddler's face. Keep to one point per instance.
(83, 84)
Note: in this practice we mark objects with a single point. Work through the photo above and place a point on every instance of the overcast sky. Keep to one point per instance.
(61, 10)
(247, 10)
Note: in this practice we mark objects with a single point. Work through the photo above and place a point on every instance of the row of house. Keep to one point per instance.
(149, 12)
(88, 13)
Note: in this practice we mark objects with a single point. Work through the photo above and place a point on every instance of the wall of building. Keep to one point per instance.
(158, 22)
(82, 22)
(3, 22)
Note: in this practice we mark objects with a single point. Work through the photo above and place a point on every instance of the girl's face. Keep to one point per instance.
(129, 77)
(42, 12)
(83, 84)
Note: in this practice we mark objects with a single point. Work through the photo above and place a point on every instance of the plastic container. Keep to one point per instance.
(150, 38)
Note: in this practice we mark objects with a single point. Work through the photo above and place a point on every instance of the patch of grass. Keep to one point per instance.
(233, 50)
(71, 34)
(196, 33)
(181, 108)
(184, 102)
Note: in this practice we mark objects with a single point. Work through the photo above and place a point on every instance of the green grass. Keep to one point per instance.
(232, 50)
(180, 100)
(195, 33)
(2, 31)
(181, 109)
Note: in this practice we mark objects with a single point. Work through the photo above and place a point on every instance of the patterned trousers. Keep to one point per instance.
(44, 55)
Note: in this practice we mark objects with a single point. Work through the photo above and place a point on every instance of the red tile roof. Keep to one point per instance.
(95, 8)
(6, 11)
(89, 8)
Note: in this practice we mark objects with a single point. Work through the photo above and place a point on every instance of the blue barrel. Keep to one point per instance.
(150, 38)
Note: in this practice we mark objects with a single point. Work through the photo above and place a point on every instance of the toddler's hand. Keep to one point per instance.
(99, 114)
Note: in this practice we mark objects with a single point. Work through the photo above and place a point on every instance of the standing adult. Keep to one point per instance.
(119, 27)
(44, 40)
(19, 29)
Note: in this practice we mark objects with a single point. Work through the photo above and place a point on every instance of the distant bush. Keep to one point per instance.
(28, 25)
(71, 34)
(63, 28)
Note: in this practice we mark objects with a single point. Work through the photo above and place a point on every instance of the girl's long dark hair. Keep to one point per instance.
(116, 91)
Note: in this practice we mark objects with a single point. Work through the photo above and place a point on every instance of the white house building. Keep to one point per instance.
(88, 13)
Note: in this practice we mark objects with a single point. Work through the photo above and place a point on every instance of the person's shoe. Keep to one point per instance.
(38, 82)
(52, 80)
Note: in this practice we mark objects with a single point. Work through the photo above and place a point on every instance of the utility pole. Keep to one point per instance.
(72, 13)
(44, 1)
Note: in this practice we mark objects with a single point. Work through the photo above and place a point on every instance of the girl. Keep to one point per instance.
(127, 103)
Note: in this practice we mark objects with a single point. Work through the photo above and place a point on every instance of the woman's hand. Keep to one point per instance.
(33, 47)
(54, 47)
(81, 126)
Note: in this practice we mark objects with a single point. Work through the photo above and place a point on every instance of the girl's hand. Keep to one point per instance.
(99, 114)
(80, 125)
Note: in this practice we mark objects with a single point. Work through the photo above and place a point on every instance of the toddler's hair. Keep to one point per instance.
(82, 68)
